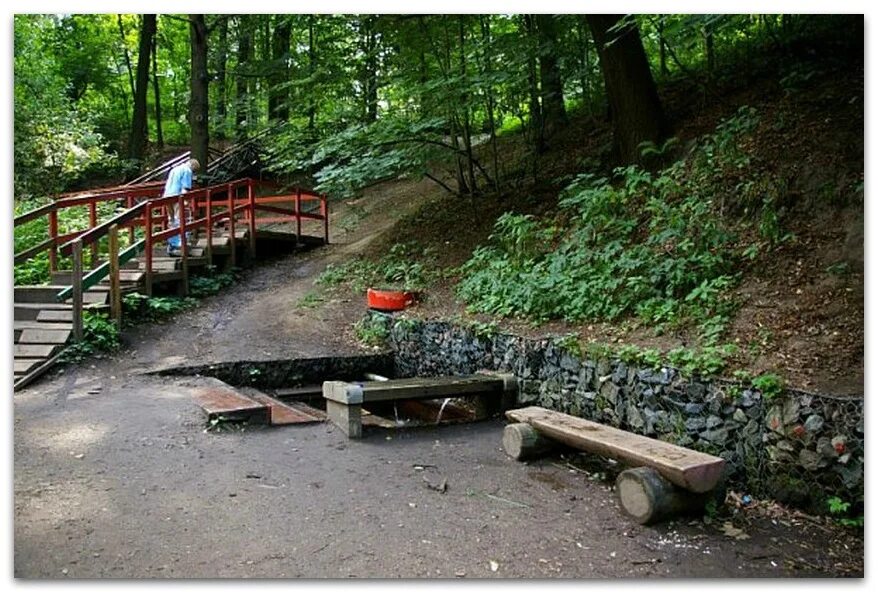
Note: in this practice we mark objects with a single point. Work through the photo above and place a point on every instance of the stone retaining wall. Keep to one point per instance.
(798, 447)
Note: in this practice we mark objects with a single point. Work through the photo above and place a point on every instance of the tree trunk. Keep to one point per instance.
(634, 103)
(242, 81)
(487, 68)
(585, 64)
(551, 85)
(707, 34)
(663, 56)
(312, 67)
(125, 52)
(222, 56)
(198, 107)
(137, 143)
(159, 136)
(536, 117)
(278, 98)
(464, 104)
(370, 70)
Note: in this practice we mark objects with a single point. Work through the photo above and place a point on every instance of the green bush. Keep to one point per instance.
(651, 245)
(99, 334)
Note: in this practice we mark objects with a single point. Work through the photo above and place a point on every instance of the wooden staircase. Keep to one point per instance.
(43, 326)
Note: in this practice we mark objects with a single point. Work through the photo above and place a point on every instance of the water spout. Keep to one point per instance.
(441, 409)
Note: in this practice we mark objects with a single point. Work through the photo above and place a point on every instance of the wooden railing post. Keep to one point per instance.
(129, 203)
(298, 216)
(77, 290)
(147, 279)
(209, 248)
(184, 247)
(115, 287)
(92, 222)
(231, 204)
(53, 234)
(324, 209)
(251, 198)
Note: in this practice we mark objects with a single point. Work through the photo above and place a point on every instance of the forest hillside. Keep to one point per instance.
(672, 188)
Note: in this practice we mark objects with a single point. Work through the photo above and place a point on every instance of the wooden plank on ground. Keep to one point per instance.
(23, 351)
(220, 399)
(280, 413)
(690, 469)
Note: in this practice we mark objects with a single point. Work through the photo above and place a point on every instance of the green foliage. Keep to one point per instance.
(372, 331)
(651, 245)
(484, 330)
(99, 335)
(840, 508)
(706, 361)
(211, 284)
(770, 385)
(309, 300)
(404, 267)
(138, 307)
(570, 344)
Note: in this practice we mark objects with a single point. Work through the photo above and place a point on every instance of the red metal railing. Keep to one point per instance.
(223, 206)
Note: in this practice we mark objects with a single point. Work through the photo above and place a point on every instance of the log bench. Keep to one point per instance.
(345, 400)
(665, 480)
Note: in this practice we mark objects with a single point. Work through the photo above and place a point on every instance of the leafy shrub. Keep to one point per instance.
(653, 245)
(213, 283)
(404, 267)
(99, 334)
(770, 385)
(372, 331)
(142, 308)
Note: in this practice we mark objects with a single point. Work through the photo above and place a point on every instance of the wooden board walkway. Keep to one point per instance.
(221, 400)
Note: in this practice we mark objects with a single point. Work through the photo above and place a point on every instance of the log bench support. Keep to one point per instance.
(345, 400)
(666, 480)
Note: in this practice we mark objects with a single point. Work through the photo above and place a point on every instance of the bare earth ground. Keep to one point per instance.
(115, 476)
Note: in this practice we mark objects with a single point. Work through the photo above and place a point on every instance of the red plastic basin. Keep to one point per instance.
(389, 299)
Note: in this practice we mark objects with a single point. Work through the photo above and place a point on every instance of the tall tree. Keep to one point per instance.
(551, 85)
(138, 137)
(159, 136)
(278, 96)
(634, 103)
(242, 77)
(198, 106)
(222, 56)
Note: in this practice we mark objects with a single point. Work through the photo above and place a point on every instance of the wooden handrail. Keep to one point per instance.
(94, 234)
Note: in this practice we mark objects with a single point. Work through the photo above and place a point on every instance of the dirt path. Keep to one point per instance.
(115, 476)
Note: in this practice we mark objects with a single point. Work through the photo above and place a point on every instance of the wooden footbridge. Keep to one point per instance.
(227, 225)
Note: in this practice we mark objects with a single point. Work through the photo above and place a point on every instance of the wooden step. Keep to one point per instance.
(33, 351)
(56, 316)
(29, 311)
(22, 325)
(22, 367)
(280, 413)
(689, 469)
(43, 337)
(222, 400)
(47, 294)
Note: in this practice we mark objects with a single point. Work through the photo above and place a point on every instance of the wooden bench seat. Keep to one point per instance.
(650, 491)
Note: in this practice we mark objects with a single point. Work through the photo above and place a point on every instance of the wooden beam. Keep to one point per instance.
(77, 290)
(115, 291)
(689, 469)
